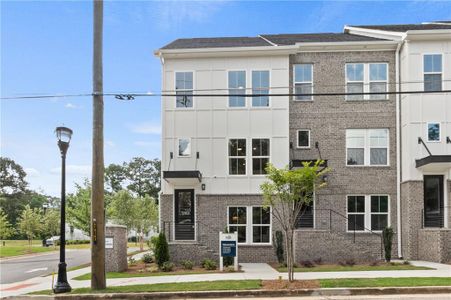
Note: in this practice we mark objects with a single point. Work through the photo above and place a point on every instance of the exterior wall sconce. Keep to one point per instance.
(171, 155)
(202, 186)
(325, 178)
(448, 140)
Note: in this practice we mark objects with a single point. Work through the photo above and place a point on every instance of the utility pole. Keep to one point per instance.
(98, 280)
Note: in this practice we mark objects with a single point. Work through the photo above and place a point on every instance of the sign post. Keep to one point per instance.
(228, 247)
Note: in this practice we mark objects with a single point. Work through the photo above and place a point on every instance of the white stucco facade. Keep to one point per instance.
(417, 110)
(210, 122)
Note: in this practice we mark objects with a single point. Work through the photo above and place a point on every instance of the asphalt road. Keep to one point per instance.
(22, 268)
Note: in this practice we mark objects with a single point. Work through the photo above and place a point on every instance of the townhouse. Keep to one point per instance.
(216, 143)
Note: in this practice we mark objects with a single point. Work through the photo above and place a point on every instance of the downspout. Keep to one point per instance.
(160, 225)
(398, 145)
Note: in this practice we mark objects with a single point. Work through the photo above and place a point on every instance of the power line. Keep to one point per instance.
(132, 96)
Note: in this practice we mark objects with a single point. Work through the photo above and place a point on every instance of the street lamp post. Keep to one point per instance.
(64, 135)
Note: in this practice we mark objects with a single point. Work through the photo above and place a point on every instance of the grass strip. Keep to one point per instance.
(385, 282)
(338, 268)
(111, 275)
(171, 287)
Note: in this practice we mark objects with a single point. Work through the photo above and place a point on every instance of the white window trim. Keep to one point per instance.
(297, 138)
(249, 225)
(367, 213)
(432, 73)
(366, 80)
(439, 132)
(367, 149)
(302, 82)
(252, 157)
(244, 90)
(176, 90)
(245, 157)
(252, 89)
(190, 146)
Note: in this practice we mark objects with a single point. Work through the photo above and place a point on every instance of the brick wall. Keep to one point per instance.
(434, 245)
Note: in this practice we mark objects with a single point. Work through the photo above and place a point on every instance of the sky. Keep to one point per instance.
(46, 48)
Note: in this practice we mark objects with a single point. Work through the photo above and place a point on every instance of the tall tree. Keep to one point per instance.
(288, 192)
(30, 222)
(115, 176)
(146, 217)
(79, 207)
(12, 177)
(123, 209)
(143, 176)
(6, 229)
(51, 223)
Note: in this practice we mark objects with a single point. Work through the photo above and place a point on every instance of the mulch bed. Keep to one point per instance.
(286, 285)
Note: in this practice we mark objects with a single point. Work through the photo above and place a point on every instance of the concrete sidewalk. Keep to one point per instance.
(250, 271)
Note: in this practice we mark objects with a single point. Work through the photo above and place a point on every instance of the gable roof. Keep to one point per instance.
(291, 39)
(407, 27)
(266, 40)
(217, 42)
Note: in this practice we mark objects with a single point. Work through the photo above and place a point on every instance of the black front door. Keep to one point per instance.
(184, 215)
(433, 201)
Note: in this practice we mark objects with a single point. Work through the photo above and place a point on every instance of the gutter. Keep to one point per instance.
(398, 145)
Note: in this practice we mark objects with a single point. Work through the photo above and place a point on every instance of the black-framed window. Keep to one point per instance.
(303, 138)
(237, 157)
(433, 132)
(379, 212)
(356, 213)
(261, 225)
(237, 222)
(260, 155)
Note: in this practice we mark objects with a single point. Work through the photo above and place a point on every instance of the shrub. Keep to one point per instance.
(318, 261)
(406, 262)
(350, 262)
(167, 266)
(342, 263)
(278, 246)
(187, 264)
(374, 263)
(387, 235)
(161, 250)
(147, 258)
(131, 261)
(307, 264)
(132, 239)
(209, 264)
(152, 242)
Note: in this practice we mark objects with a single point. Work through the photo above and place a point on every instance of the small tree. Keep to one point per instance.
(161, 250)
(30, 223)
(278, 244)
(5, 227)
(288, 192)
(146, 217)
(51, 224)
(387, 235)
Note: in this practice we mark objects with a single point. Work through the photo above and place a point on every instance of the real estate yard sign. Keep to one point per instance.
(228, 247)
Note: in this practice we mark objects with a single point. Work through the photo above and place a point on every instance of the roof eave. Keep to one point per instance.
(426, 35)
(347, 46)
(376, 33)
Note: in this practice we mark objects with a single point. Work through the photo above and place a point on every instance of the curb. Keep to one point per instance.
(250, 293)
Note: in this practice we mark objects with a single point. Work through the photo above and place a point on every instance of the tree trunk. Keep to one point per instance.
(290, 254)
(141, 241)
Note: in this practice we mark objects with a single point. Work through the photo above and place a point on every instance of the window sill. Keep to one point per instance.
(255, 245)
(365, 166)
(294, 100)
(366, 100)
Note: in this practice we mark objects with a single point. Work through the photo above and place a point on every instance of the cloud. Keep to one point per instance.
(74, 170)
(31, 172)
(72, 106)
(146, 128)
(110, 143)
(147, 144)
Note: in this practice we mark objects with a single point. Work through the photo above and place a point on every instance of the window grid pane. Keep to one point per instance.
(304, 138)
(260, 86)
(237, 86)
(184, 88)
(303, 84)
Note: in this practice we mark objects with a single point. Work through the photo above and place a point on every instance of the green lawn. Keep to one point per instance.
(172, 287)
(21, 247)
(109, 275)
(338, 268)
(256, 284)
(386, 282)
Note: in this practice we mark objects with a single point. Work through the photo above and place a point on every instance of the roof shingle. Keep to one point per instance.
(406, 27)
(218, 42)
(291, 39)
